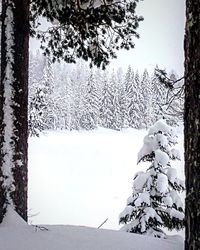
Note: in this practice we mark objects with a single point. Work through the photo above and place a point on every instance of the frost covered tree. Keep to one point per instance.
(79, 29)
(159, 96)
(115, 99)
(90, 114)
(168, 100)
(107, 114)
(130, 96)
(155, 202)
(41, 113)
(146, 104)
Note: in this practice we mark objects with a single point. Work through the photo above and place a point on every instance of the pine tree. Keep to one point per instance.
(146, 93)
(107, 109)
(129, 91)
(139, 102)
(90, 114)
(78, 90)
(131, 99)
(174, 101)
(122, 98)
(41, 105)
(155, 202)
(119, 119)
(115, 98)
(123, 106)
(168, 96)
(159, 96)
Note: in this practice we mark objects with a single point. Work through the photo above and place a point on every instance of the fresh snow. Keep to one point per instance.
(161, 158)
(85, 177)
(162, 183)
(8, 81)
(160, 126)
(15, 234)
(143, 198)
(82, 178)
(139, 181)
(92, 170)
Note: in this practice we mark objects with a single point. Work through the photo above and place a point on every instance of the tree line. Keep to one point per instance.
(77, 97)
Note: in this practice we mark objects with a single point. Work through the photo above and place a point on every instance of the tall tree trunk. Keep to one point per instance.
(13, 106)
(192, 124)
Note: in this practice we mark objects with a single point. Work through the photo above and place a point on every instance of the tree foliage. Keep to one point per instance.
(75, 97)
(92, 30)
(155, 202)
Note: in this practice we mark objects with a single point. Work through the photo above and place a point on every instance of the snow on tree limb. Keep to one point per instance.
(155, 202)
(8, 81)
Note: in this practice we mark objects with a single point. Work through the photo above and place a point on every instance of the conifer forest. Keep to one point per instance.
(75, 97)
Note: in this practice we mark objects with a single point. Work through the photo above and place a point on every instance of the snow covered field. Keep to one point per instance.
(15, 234)
(81, 178)
(85, 177)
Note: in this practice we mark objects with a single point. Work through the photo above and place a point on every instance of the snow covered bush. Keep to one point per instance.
(155, 202)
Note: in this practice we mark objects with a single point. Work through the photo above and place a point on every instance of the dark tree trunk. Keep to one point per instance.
(13, 106)
(192, 124)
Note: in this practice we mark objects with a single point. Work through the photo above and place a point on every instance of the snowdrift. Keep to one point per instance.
(15, 234)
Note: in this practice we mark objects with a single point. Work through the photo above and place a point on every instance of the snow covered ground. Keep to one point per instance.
(15, 234)
(81, 178)
(84, 177)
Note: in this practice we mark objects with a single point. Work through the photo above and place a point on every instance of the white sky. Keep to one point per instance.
(161, 37)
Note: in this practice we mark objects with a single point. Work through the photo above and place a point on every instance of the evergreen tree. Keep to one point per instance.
(90, 115)
(47, 87)
(107, 113)
(146, 104)
(134, 102)
(119, 119)
(41, 106)
(139, 102)
(155, 202)
(122, 98)
(168, 95)
(129, 96)
(123, 106)
(78, 84)
(114, 87)
(174, 101)
(159, 96)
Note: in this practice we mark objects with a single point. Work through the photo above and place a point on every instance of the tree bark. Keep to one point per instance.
(13, 106)
(192, 124)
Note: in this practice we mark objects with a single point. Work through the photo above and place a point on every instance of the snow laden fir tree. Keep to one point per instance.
(155, 202)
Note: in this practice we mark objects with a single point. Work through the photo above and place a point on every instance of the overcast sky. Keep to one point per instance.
(161, 37)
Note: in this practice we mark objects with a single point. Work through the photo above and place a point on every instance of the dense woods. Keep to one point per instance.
(62, 96)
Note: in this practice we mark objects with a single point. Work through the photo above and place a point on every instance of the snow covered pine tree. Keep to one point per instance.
(155, 202)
